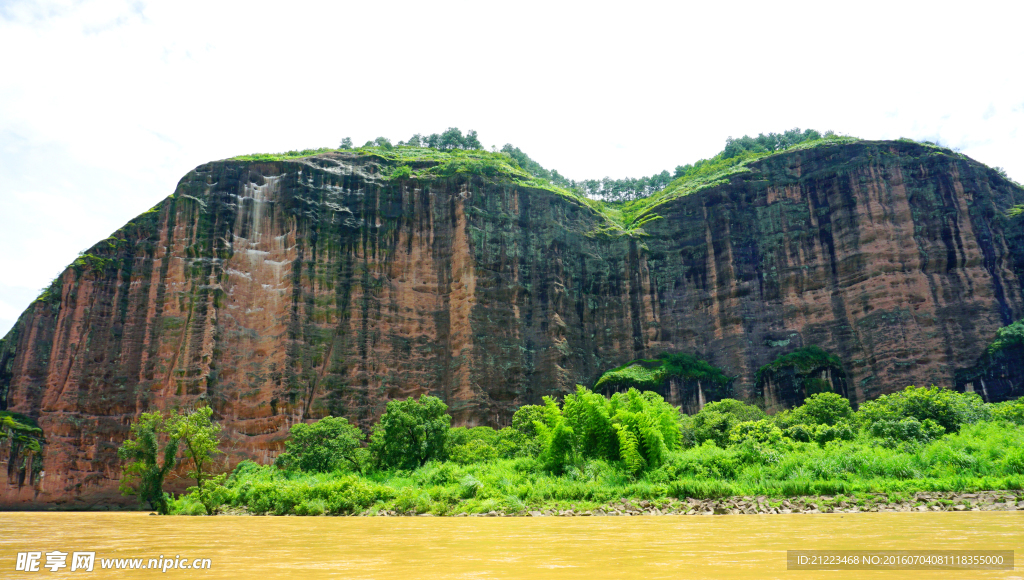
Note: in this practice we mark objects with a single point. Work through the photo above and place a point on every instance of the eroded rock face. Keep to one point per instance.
(287, 291)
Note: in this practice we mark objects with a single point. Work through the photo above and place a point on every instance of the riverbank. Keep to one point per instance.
(996, 500)
(825, 451)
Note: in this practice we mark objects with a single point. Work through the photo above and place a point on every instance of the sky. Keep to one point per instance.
(106, 104)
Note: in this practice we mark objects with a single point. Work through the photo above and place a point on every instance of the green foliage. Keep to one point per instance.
(629, 450)
(653, 373)
(524, 417)
(840, 431)
(329, 444)
(947, 408)
(589, 416)
(715, 422)
(512, 443)
(144, 472)
(635, 427)
(474, 444)
(87, 262)
(206, 499)
(473, 451)
(401, 172)
(201, 437)
(294, 154)
(713, 427)
(805, 360)
(592, 449)
(764, 432)
(410, 433)
(738, 409)
(556, 445)
(893, 432)
(819, 409)
(1007, 337)
(1008, 411)
(452, 138)
(12, 424)
(25, 443)
(769, 143)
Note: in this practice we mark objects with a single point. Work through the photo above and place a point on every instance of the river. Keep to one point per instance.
(650, 547)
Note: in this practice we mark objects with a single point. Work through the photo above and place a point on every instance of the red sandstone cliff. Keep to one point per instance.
(285, 291)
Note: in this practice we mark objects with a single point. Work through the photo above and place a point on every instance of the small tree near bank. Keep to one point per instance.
(200, 437)
(144, 473)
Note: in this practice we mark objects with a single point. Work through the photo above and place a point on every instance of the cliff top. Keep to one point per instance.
(620, 217)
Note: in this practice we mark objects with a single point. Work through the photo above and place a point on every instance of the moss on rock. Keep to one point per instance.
(790, 378)
(683, 379)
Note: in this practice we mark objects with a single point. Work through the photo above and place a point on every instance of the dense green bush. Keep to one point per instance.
(635, 427)
(410, 433)
(1009, 411)
(1008, 336)
(328, 444)
(715, 422)
(945, 407)
(894, 432)
(524, 417)
(820, 409)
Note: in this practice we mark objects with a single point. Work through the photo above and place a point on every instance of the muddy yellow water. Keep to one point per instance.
(266, 548)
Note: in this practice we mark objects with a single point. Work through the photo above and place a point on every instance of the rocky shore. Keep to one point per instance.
(918, 502)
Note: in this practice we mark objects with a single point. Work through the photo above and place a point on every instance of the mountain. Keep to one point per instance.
(286, 288)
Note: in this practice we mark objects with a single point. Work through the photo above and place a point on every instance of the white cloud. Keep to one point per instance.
(108, 103)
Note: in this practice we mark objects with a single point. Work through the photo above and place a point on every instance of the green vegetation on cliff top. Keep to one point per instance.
(626, 204)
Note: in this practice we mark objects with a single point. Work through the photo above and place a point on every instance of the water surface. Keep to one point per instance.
(731, 547)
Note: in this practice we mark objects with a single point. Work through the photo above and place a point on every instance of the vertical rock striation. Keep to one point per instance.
(285, 291)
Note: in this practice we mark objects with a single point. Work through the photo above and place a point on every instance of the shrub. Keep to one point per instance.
(763, 431)
(1008, 336)
(511, 442)
(411, 432)
(822, 409)
(1013, 462)
(894, 432)
(714, 427)
(475, 451)
(839, 432)
(800, 432)
(738, 409)
(524, 417)
(328, 444)
(401, 172)
(1009, 411)
(945, 407)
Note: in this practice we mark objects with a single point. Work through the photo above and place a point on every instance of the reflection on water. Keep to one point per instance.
(748, 547)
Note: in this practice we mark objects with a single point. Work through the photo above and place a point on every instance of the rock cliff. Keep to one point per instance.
(286, 290)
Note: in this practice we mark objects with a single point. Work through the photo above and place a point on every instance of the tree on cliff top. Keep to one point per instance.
(144, 474)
